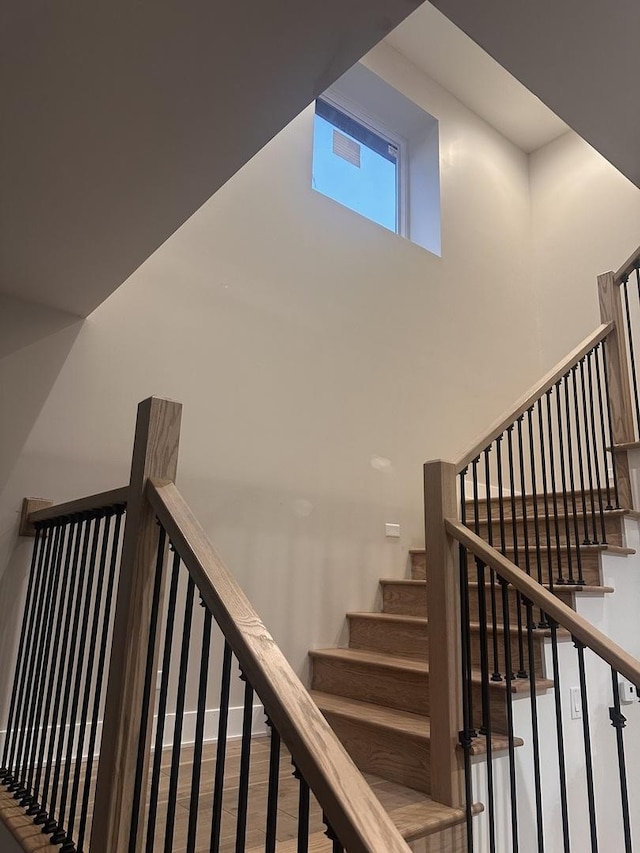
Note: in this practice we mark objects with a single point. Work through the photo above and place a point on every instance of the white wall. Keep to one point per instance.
(304, 341)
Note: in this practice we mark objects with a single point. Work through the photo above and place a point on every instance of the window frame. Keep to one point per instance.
(374, 125)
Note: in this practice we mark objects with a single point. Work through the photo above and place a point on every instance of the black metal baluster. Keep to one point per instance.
(23, 656)
(576, 418)
(516, 557)
(562, 768)
(594, 440)
(66, 662)
(245, 760)
(563, 474)
(61, 834)
(486, 701)
(523, 496)
(223, 720)
(18, 788)
(554, 492)
(272, 795)
(496, 676)
(576, 526)
(588, 450)
(336, 846)
(535, 735)
(177, 731)
(509, 703)
(303, 811)
(164, 692)
(587, 745)
(465, 619)
(631, 348)
(618, 721)
(88, 680)
(56, 665)
(100, 671)
(609, 421)
(598, 353)
(492, 574)
(199, 735)
(545, 496)
(71, 664)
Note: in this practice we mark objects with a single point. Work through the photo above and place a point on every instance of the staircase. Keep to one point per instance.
(375, 692)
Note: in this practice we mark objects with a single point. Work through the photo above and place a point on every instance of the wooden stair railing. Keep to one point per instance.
(537, 493)
(169, 581)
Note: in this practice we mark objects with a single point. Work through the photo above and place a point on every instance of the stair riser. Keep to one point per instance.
(399, 689)
(613, 529)
(393, 755)
(411, 641)
(559, 503)
(590, 565)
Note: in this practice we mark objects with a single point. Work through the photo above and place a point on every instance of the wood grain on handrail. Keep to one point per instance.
(627, 267)
(103, 499)
(533, 394)
(351, 807)
(581, 629)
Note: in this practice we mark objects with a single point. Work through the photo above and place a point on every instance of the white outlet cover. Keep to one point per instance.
(392, 530)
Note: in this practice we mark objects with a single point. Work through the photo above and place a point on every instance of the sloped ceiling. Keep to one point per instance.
(581, 57)
(120, 119)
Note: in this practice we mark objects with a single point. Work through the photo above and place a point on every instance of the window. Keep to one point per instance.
(356, 165)
(377, 152)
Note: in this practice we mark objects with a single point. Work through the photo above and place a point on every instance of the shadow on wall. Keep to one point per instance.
(35, 342)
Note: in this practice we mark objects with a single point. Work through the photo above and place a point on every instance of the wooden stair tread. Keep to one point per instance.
(418, 667)
(389, 618)
(28, 835)
(564, 587)
(612, 549)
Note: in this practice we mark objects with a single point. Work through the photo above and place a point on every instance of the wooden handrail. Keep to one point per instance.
(103, 499)
(533, 394)
(352, 808)
(581, 629)
(627, 267)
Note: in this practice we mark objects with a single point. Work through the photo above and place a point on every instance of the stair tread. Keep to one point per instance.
(599, 546)
(565, 587)
(421, 621)
(419, 667)
(414, 725)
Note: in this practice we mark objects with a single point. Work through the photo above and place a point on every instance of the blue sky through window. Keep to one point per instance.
(370, 189)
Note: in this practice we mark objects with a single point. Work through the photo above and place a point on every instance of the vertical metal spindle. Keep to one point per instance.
(496, 676)
(492, 574)
(545, 497)
(514, 523)
(509, 702)
(535, 735)
(199, 735)
(631, 348)
(100, 670)
(245, 760)
(152, 810)
(562, 767)
(23, 653)
(619, 721)
(65, 664)
(561, 460)
(578, 436)
(465, 619)
(534, 491)
(177, 731)
(609, 422)
(486, 700)
(597, 355)
(62, 833)
(149, 676)
(221, 750)
(588, 450)
(272, 796)
(88, 678)
(523, 496)
(303, 812)
(587, 745)
(554, 491)
(71, 664)
(18, 788)
(56, 664)
(594, 439)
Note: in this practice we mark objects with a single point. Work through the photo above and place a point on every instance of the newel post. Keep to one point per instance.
(155, 454)
(443, 619)
(622, 430)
